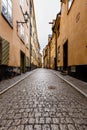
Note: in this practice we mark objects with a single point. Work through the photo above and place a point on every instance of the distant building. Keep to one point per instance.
(34, 44)
(45, 57)
(40, 60)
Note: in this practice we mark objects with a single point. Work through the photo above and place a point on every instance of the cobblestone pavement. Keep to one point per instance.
(81, 85)
(43, 102)
(4, 84)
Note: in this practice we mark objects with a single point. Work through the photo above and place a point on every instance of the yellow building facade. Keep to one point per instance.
(45, 57)
(19, 46)
(52, 53)
(68, 45)
(34, 43)
(49, 54)
(72, 40)
(14, 37)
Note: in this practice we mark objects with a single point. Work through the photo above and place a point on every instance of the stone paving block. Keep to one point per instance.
(20, 127)
(55, 120)
(48, 120)
(55, 127)
(16, 122)
(18, 116)
(45, 114)
(29, 127)
(13, 128)
(37, 127)
(52, 114)
(38, 114)
(24, 114)
(80, 121)
(3, 128)
(31, 120)
(31, 114)
(62, 120)
(71, 127)
(69, 120)
(63, 127)
(42, 120)
(9, 123)
(46, 127)
(59, 114)
(24, 121)
(3, 122)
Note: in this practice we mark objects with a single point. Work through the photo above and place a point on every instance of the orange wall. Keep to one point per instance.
(11, 35)
(75, 32)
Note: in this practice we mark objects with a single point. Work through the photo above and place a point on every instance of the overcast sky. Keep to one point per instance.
(45, 11)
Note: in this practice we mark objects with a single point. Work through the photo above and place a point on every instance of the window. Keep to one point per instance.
(22, 32)
(22, 4)
(70, 4)
(27, 2)
(7, 10)
(27, 41)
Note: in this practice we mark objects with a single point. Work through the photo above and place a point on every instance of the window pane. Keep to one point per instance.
(7, 10)
(22, 3)
(26, 39)
(9, 15)
(22, 32)
(69, 4)
(4, 8)
(30, 7)
(4, 2)
(10, 3)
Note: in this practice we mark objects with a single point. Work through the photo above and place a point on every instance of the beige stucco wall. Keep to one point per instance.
(12, 36)
(74, 29)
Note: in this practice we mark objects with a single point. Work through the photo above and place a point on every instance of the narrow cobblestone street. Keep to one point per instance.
(43, 101)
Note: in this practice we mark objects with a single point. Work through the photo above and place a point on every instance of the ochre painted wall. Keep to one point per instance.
(73, 27)
(11, 34)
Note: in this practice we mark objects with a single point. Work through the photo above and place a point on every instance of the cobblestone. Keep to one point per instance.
(32, 105)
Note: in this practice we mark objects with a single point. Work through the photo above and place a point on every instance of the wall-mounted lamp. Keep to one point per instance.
(26, 17)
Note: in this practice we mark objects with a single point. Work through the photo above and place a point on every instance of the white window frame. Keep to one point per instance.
(70, 4)
(22, 32)
(7, 5)
(27, 41)
(22, 4)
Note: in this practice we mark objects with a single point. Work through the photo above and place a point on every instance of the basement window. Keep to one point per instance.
(7, 11)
